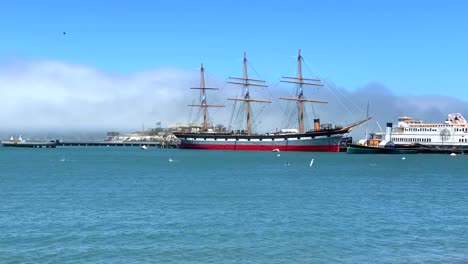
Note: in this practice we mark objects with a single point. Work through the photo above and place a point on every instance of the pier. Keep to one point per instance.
(116, 144)
(58, 143)
(29, 144)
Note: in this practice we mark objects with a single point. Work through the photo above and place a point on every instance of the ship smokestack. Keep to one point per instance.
(388, 132)
(317, 124)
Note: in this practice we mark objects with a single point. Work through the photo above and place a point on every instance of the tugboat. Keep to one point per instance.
(380, 144)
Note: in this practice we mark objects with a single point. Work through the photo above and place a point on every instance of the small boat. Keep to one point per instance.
(144, 147)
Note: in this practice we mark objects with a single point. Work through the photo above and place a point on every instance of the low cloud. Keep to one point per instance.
(51, 96)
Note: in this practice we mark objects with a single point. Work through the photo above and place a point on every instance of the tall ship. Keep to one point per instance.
(324, 138)
(451, 133)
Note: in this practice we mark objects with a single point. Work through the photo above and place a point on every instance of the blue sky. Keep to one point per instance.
(412, 47)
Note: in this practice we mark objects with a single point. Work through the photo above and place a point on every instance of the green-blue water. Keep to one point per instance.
(127, 205)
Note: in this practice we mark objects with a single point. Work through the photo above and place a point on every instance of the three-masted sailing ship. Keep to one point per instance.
(326, 139)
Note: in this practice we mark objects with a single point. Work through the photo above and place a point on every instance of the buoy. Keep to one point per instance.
(278, 155)
(403, 158)
(453, 154)
(171, 160)
(311, 162)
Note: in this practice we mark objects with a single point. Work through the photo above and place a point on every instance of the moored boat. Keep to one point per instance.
(420, 137)
(360, 149)
(324, 138)
(379, 143)
(453, 133)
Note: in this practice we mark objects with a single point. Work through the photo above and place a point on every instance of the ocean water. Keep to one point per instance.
(127, 205)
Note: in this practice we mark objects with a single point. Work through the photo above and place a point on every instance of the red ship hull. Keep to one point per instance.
(326, 148)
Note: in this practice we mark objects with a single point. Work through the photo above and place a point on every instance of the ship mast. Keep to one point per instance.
(203, 103)
(246, 82)
(301, 81)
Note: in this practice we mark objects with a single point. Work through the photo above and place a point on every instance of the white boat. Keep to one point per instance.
(452, 133)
